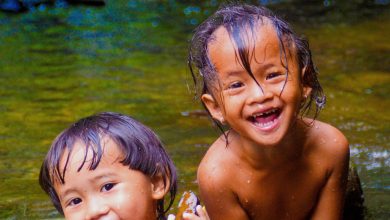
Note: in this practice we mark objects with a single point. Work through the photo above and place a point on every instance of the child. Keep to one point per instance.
(257, 77)
(109, 166)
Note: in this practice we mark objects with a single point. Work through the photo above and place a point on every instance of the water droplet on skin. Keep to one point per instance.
(246, 200)
(249, 181)
(335, 140)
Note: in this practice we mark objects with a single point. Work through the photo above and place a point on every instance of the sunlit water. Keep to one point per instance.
(58, 64)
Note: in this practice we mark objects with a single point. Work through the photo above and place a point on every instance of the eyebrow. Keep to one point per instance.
(103, 175)
(66, 192)
(235, 73)
(261, 67)
(265, 66)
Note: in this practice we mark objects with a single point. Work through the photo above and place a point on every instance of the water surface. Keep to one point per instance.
(58, 64)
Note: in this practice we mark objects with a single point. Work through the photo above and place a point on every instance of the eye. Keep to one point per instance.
(272, 75)
(107, 187)
(235, 85)
(74, 202)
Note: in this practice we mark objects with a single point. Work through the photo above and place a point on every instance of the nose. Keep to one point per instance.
(96, 209)
(258, 93)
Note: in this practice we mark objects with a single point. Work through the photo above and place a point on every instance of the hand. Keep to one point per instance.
(202, 214)
(189, 216)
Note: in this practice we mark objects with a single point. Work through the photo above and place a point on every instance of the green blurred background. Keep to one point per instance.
(61, 62)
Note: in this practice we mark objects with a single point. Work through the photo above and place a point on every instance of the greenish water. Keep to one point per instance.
(60, 64)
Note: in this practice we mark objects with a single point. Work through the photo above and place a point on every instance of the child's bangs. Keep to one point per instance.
(93, 152)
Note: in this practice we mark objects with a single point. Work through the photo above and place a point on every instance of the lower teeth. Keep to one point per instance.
(265, 124)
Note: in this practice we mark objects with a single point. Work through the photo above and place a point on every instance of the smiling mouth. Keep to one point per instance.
(265, 119)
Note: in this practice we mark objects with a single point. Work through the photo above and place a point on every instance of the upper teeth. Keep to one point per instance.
(264, 113)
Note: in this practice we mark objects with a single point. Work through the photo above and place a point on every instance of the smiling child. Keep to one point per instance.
(256, 77)
(109, 166)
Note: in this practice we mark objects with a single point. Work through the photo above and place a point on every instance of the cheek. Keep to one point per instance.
(124, 201)
(72, 215)
(292, 96)
(292, 88)
(230, 101)
(133, 203)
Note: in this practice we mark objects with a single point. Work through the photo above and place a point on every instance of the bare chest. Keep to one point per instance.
(283, 195)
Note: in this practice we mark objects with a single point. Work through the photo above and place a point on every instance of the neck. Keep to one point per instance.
(271, 157)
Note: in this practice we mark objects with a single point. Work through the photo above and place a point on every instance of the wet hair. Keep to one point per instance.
(237, 19)
(142, 151)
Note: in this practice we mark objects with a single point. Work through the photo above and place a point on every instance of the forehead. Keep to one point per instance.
(262, 33)
(260, 41)
(81, 155)
(260, 44)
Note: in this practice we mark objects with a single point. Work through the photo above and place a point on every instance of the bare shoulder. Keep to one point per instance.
(217, 179)
(328, 142)
(210, 169)
(329, 149)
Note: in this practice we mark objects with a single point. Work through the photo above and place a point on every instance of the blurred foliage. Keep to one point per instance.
(60, 62)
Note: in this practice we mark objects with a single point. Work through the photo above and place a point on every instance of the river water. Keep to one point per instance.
(60, 63)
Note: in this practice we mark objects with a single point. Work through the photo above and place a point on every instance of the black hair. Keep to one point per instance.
(237, 18)
(142, 151)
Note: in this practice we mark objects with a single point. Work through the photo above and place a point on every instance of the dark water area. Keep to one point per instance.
(59, 63)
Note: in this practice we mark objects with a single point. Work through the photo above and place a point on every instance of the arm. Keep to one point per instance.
(220, 201)
(331, 199)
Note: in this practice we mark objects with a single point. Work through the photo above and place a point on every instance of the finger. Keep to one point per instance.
(190, 216)
(171, 217)
(202, 212)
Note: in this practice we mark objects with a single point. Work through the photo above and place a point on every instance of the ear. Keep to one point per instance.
(213, 107)
(306, 90)
(159, 189)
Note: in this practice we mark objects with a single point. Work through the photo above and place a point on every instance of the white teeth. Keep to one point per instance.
(263, 125)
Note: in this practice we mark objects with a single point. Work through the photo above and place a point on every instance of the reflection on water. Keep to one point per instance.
(374, 160)
(58, 64)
